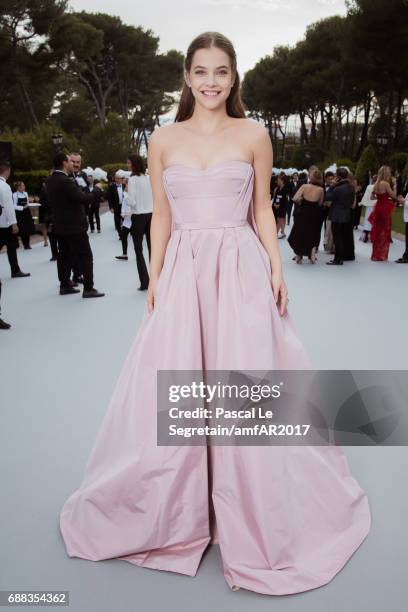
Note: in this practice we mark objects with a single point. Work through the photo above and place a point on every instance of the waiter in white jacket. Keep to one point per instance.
(140, 200)
(8, 227)
(8, 222)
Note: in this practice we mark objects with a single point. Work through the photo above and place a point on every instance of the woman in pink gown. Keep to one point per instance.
(286, 518)
(381, 216)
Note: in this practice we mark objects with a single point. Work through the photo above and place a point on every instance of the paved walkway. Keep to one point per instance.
(59, 363)
(349, 317)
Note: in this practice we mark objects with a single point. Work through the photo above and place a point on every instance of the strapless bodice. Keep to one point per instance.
(218, 196)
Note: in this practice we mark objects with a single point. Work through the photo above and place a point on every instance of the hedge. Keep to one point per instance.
(398, 161)
(346, 161)
(33, 180)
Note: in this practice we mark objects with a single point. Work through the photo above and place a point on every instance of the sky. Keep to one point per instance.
(254, 26)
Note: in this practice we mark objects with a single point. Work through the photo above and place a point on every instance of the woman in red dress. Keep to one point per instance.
(380, 218)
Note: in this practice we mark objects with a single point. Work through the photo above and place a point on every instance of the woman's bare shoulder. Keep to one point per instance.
(162, 133)
(256, 137)
(252, 126)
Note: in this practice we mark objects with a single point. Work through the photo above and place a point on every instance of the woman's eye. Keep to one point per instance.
(223, 72)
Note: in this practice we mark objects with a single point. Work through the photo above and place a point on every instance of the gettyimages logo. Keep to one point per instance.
(284, 407)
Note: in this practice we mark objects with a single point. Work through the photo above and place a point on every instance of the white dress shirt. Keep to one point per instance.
(80, 181)
(8, 215)
(16, 197)
(121, 192)
(369, 204)
(140, 194)
(366, 199)
(127, 221)
(406, 209)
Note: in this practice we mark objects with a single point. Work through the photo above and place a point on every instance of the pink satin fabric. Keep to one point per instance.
(286, 519)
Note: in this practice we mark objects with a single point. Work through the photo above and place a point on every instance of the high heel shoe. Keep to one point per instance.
(313, 257)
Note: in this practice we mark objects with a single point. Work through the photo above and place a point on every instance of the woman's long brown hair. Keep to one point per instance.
(235, 106)
(138, 164)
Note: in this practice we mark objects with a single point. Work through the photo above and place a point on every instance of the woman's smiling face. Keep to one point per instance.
(211, 77)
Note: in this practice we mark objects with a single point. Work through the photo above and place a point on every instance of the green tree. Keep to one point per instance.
(368, 163)
(268, 94)
(75, 113)
(34, 149)
(103, 145)
(379, 37)
(405, 171)
(116, 65)
(27, 79)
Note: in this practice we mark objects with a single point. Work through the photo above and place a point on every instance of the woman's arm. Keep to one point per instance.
(263, 213)
(374, 191)
(391, 192)
(160, 228)
(299, 194)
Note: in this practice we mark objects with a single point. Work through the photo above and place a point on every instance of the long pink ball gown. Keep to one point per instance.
(286, 519)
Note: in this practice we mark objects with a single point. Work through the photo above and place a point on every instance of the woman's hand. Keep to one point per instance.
(280, 292)
(151, 294)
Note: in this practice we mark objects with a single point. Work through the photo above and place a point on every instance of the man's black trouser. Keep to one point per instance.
(141, 227)
(339, 237)
(75, 247)
(11, 241)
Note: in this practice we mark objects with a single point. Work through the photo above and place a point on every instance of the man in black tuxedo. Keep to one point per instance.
(70, 224)
(115, 197)
(329, 182)
(342, 199)
(94, 206)
(77, 174)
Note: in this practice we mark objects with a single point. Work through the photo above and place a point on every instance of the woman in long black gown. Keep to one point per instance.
(280, 202)
(305, 235)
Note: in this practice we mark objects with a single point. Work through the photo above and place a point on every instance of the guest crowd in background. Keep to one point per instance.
(318, 208)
